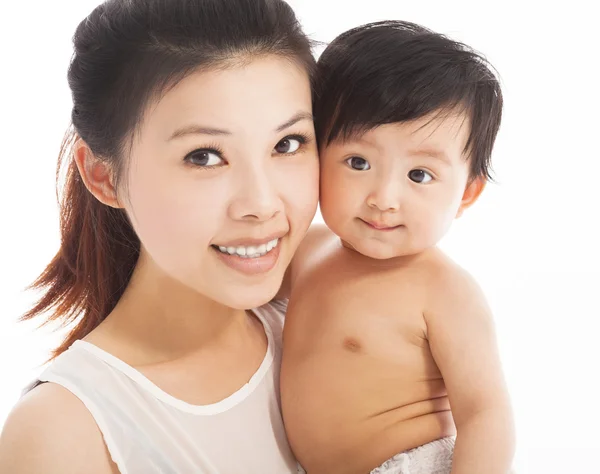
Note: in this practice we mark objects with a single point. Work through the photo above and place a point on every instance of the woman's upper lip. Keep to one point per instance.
(249, 241)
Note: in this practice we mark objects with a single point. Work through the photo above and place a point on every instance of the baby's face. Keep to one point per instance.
(395, 190)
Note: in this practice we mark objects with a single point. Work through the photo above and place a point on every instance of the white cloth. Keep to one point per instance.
(431, 458)
(147, 431)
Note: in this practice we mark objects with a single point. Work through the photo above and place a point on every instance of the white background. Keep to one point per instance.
(532, 240)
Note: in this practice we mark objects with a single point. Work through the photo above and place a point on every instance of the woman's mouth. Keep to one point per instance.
(250, 251)
(256, 258)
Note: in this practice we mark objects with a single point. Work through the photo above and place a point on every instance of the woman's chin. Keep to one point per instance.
(252, 296)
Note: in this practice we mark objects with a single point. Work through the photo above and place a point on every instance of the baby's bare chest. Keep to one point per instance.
(361, 315)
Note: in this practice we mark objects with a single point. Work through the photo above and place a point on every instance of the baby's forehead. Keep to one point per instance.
(431, 134)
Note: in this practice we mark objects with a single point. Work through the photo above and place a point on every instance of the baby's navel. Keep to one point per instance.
(351, 344)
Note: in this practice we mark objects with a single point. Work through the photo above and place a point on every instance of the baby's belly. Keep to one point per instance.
(346, 413)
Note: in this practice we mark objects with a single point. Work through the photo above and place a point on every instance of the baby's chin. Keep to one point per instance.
(375, 250)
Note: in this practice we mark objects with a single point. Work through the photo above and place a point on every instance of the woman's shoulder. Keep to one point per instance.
(42, 430)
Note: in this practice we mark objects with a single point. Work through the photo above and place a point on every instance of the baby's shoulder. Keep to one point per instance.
(318, 235)
(313, 245)
(439, 269)
(449, 285)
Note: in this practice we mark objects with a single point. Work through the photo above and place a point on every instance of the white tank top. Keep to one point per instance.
(148, 431)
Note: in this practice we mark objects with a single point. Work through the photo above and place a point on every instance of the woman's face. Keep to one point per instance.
(222, 182)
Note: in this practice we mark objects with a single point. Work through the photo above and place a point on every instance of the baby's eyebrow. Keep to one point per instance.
(359, 138)
(431, 153)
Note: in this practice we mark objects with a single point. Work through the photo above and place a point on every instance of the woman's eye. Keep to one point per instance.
(204, 158)
(288, 145)
(420, 176)
(358, 163)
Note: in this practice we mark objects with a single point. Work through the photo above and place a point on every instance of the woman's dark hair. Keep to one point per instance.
(127, 54)
(394, 71)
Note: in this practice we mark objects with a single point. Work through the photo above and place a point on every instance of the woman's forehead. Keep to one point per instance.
(264, 92)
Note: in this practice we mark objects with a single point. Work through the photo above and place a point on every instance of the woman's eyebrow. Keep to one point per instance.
(196, 129)
(295, 119)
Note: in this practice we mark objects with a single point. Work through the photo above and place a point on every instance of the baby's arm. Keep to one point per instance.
(463, 343)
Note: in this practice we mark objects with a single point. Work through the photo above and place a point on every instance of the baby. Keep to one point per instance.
(390, 360)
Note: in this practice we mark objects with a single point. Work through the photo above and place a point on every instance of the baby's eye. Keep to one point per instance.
(358, 163)
(289, 145)
(204, 158)
(420, 176)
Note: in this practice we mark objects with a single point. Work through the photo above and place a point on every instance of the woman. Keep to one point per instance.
(192, 176)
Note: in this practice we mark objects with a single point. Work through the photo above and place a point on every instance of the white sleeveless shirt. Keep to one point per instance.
(148, 431)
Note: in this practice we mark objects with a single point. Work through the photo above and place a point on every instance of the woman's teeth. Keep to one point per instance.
(251, 251)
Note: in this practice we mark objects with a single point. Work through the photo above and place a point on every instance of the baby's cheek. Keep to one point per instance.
(336, 224)
(434, 230)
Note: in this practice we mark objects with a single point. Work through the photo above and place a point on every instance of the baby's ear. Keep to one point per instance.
(471, 194)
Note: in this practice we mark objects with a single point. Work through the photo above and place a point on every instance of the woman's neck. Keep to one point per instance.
(159, 319)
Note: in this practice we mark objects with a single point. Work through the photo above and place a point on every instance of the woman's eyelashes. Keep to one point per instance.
(212, 156)
(291, 144)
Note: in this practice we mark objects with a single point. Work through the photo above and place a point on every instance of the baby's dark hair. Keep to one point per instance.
(395, 71)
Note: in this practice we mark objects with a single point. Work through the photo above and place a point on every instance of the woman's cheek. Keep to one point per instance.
(302, 190)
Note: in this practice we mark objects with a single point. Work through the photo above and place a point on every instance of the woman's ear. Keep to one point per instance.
(97, 175)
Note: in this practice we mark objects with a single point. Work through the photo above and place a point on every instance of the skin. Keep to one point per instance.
(182, 321)
(384, 333)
